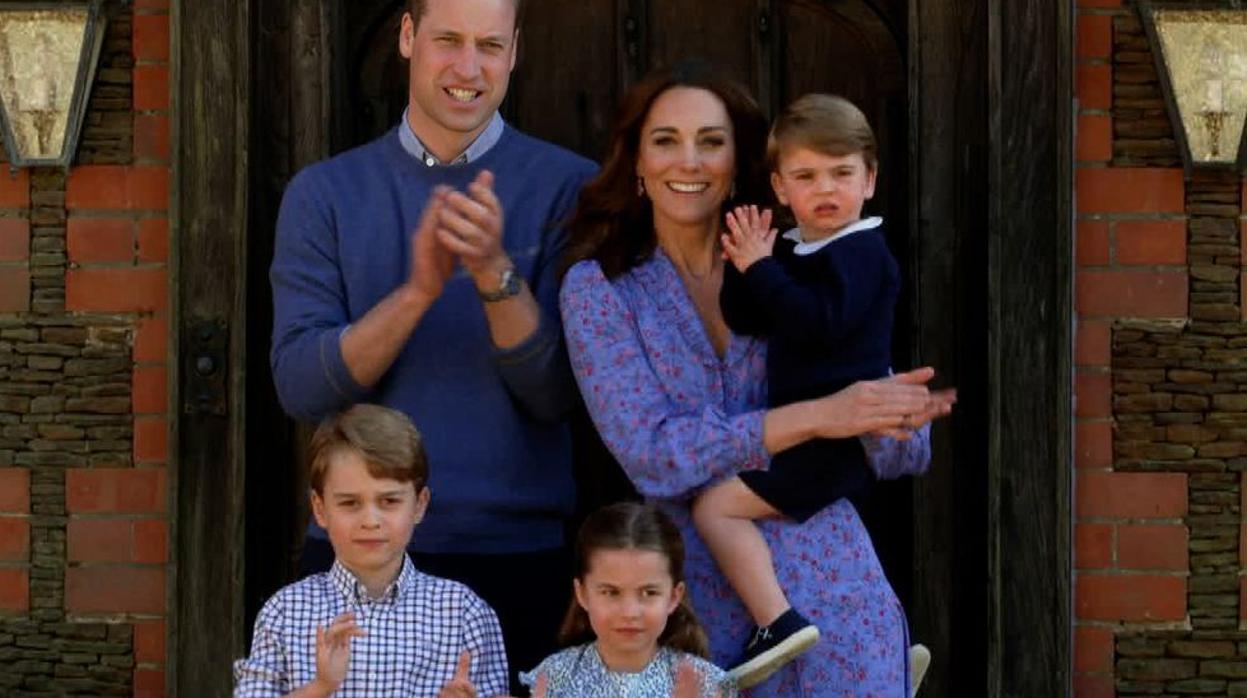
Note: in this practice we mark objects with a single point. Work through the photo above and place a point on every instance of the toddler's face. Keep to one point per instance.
(825, 192)
(628, 595)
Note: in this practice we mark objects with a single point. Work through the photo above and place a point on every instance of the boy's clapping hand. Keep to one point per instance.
(750, 236)
(460, 685)
(333, 651)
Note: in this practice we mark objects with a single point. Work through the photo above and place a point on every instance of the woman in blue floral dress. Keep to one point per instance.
(680, 401)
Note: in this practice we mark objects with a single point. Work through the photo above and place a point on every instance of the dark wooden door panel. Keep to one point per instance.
(565, 85)
(935, 77)
(680, 29)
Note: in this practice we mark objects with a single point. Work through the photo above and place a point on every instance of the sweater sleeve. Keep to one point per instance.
(536, 371)
(667, 452)
(739, 307)
(309, 309)
(821, 313)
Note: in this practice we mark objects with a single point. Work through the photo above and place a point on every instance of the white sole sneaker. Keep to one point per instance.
(760, 668)
(919, 662)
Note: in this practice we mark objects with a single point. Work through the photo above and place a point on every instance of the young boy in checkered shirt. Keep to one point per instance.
(372, 625)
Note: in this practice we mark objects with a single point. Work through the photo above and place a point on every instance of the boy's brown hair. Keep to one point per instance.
(384, 438)
(827, 124)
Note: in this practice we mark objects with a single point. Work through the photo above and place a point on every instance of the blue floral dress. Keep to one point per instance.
(578, 672)
(678, 418)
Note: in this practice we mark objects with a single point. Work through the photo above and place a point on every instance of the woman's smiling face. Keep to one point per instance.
(687, 157)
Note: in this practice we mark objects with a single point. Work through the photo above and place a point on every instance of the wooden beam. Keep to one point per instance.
(948, 185)
(211, 75)
(1030, 101)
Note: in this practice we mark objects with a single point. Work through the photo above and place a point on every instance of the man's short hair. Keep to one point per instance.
(827, 124)
(384, 438)
(416, 9)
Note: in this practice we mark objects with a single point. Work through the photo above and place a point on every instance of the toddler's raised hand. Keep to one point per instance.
(750, 236)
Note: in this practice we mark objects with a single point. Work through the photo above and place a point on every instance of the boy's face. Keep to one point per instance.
(825, 192)
(369, 519)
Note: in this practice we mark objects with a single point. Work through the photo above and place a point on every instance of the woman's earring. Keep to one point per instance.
(731, 195)
(640, 186)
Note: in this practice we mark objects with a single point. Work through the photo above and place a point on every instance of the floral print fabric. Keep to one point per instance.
(578, 672)
(678, 417)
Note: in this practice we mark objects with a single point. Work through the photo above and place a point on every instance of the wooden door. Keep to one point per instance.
(974, 181)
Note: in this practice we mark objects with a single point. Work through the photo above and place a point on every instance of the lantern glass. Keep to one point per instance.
(1205, 57)
(47, 56)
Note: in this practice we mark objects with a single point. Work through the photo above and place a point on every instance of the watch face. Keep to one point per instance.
(509, 285)
(510, 282)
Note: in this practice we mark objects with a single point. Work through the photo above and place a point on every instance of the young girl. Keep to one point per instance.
(630, 632)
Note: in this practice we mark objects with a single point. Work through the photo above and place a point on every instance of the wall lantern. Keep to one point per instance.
(1201, 56)
(48, 53)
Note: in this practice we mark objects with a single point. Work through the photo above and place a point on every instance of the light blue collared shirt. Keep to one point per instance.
(488, 138)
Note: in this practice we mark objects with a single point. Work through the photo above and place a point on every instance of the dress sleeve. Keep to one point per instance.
(667, 451)
(551, 666)
(262, 674)
(890, 458)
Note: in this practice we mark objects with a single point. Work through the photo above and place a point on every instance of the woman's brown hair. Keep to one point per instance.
(613, 224)
(633, 526)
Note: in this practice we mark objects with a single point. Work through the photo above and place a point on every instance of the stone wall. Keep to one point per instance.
(1160, 384)
(84, 298)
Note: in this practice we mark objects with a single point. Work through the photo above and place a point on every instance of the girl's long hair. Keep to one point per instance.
(633, 526)
(613, 223)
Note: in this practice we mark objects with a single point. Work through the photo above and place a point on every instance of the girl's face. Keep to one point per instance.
(687, 157)
(628, 595)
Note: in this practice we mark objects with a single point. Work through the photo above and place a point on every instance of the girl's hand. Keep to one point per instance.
(750, 236)
(688, 681)
(460, 685)
(542, 688)
(333, 650)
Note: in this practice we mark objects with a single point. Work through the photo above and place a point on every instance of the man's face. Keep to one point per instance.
(461, 56)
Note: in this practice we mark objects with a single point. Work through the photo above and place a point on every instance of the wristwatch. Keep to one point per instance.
(509, 285)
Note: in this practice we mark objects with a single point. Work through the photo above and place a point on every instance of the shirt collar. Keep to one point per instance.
(349, 585)
(486, 140)
(804, 248)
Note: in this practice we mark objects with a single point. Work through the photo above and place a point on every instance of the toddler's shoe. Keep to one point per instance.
(919, 662)
(773, 646)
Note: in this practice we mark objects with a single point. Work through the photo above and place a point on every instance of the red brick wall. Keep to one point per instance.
(1132, 541)
(116, 253)
(1129, 542)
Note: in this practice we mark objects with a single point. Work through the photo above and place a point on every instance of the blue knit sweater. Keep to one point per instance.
(492, 420)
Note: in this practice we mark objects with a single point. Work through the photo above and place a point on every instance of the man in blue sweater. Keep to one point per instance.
(420, 271)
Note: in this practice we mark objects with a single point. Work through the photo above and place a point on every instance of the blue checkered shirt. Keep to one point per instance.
(416, 630)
